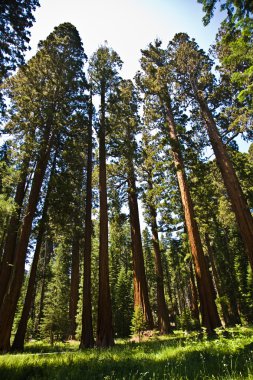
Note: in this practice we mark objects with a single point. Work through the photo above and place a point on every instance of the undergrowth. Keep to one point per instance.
(228, 355)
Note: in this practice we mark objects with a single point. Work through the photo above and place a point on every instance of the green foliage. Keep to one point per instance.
(148, 255)
(181, 356)
(223, 245)
(185, 321)
(238, 60)
(47, 92)
(235, 8)
(7, 207)
(79, 313)
(16, 20)
(55, 320)
(103, 69)
(123, 303)
(94, 282)
(47, 113)
(48, 95)
(138, 323)
(234, 50)
(251, 154)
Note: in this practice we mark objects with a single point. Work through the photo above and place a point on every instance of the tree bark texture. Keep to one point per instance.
(230, 312)
(162, 310)
(74, 284)
(141, 298)
(193, 296)
(8, 307)
(87, 338)
(231, 182)
(18, 343)
(104, 321)
(12, 233)
(208, 308)
(172, 297)
(49, 248)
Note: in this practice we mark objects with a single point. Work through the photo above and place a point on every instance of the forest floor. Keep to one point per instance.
(228, 355)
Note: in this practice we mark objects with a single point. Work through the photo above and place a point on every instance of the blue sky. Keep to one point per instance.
(127, 25)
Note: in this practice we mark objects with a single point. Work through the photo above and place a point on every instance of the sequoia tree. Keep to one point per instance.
(125, 120)
(235, 8)
(15, 21)
(103, 72)
(156, 80)
(87, 339)
(45, 93)
(149, 170)
(194, 77)
(19, 340)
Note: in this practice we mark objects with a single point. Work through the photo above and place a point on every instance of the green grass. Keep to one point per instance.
(181, 356)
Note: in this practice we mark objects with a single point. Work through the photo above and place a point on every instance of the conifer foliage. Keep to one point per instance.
(47, 98)
(86, 158)
(103, 68)
(15, 21)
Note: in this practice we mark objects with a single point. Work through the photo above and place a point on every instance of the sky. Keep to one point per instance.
(127, 25)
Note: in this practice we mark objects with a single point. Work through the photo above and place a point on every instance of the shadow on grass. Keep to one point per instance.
(58, 347)
(166, 359)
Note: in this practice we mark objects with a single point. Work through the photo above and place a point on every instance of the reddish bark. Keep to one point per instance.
(208, 309)
(12, 233)
(224, 316)
(231, 182)
(8, 307)
(162, 310)
(87, 339)
(104, 321)
(173, 300)
(46, 259)
(74, 284)
(229, 311)
(193, 296)
(141, 298)
(18, 343)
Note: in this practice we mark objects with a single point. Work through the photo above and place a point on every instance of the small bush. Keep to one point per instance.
(138, 323)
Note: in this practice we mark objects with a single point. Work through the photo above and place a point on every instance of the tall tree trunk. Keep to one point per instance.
(230, 310)
(232, 288)
(87, 339)
(74, 283)
(3, 238)
(12, 232)
(208, 308)
(141, 298)
(46, 259)
(8, 307)
(218, 285)
(162, 310)
(104, 323)
(18, 343)
(194, 296)
(180, 289)
(172, 297)
(231, 182)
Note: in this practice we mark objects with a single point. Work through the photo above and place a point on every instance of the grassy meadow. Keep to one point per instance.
(228, 355)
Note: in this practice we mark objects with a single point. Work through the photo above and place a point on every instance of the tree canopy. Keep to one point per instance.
(15, 21)
(126, 205)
